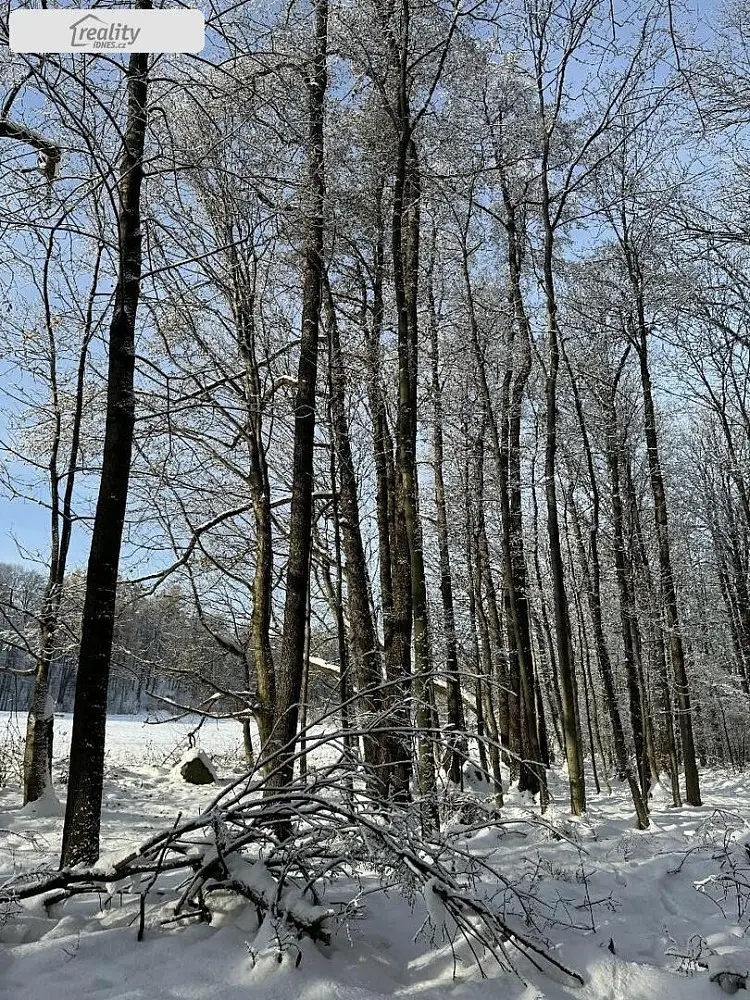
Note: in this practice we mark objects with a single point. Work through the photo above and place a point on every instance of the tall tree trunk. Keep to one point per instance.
(363, 635)
(393, 561)
(506, 450)
(37, 772)
(587, 696)
(345, 685)
(675, 642)
(476, 658)
(625, 602)
(622, 758)
(591, 568)
(503, 683)
(489, 671)
(565, 660)
(405, 249)
(545, 641)
(80, 842)
(532, 775)
(654, 615)
(243, 280)
(456, 722)
(291, 662)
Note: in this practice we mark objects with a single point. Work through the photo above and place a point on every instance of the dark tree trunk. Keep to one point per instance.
(363, 635)
(394, 567)
(37, 775)
(625, 603)
(488, 672)
(291, 664)
(622, 759)
(345, 681)
(585, 675)
(476, 653)
(654, 615)
(503, 684)
(565, 661)
(456, 722)
(83, 811)
(243, 280)
(674, 628)
(591, 569)
(405, 240)
(532, 775)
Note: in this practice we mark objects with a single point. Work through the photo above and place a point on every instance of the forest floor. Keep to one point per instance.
(635, 913)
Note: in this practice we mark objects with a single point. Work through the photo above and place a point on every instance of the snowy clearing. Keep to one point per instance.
(639, 915)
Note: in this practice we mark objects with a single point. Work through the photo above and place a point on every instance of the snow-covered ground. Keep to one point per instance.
(642, 916)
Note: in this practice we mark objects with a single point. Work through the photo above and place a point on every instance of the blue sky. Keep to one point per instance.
(24, 535)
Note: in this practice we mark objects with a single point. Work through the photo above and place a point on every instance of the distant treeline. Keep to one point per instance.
(160, 647)
(162, 650)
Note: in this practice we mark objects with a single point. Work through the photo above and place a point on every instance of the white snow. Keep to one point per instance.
(442, 922)
(47, 804)
(672, 901)
(736, 962)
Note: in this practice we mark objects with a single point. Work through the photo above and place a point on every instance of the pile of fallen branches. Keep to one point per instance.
(240, 845)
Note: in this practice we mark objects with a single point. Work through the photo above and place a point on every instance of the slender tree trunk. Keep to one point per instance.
(592, 581)
(456, 722)
(83, 811)
(587, 697)
(405, 233)
(37, 775)
(676, 647)
(653, 616)
(503, 677)
(393, 561)
(505, 443)
(532, 775)
(291, 665)
(472, 609)
(544, 633)
(565, 661)
(334, 590)
(625, 602)
(622, 758)
(489, 717)
(243, 309)
(363, 641)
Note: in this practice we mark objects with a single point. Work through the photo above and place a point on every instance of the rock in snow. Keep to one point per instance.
(730, 970)
(196, 768)
(476, 780)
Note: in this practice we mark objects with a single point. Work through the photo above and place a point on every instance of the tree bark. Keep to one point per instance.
(405, 248)
(565, 661)
(675, 642)
(393, 562)
(654, 614)
(243, 308)
(37, 776)
(456, 721)
(291, 662)
(83, 810)
(363, 635)
(591, 569)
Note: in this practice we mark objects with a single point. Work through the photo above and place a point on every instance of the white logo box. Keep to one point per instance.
(96, 30)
